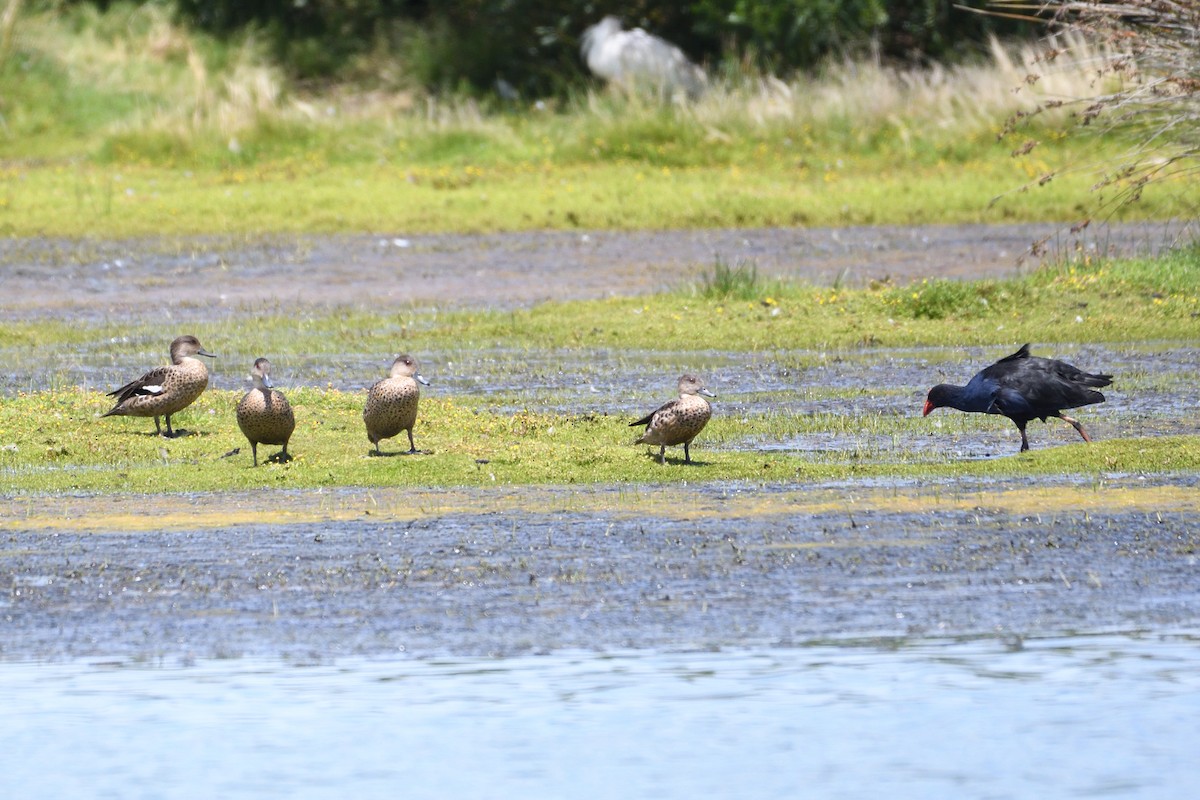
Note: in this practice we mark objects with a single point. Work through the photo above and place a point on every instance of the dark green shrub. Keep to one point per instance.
(534, 44)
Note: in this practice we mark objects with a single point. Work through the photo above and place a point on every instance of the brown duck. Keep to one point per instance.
(679, 421)
(164, 391)
(392, 403)
(264, 414)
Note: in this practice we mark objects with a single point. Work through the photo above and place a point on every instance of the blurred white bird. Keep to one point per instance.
(638, 61)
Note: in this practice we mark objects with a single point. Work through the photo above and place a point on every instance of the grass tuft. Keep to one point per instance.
(739, 281)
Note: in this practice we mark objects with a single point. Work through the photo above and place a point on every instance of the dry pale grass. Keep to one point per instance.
(971, 96)
(1141, 55)
(143, 51)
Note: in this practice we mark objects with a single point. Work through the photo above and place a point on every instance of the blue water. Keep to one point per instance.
(1102, 716)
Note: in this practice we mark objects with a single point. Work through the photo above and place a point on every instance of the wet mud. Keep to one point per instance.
(514, 571)
(103, 279)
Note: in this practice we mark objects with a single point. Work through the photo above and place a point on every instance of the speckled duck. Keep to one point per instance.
(164, 391)
(678, 421)
(264, 414)
(392, 403)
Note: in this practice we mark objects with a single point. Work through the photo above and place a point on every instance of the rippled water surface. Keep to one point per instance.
(1099, 716)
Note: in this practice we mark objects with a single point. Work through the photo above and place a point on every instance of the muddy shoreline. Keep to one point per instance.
(96, 279)
(466, 573)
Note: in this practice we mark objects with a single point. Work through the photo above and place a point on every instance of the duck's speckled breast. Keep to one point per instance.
(266, 417)
(391, 407)
(681, 423)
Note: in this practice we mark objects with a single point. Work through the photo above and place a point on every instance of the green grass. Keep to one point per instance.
(927, 313)
(124, 124)
(738, 281)
(1127, 301)
(304, 195)
(54, 442)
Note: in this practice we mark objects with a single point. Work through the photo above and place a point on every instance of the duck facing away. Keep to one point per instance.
(392, 403)
(679, 421)
(1023, 387)
(264, 414)
(164, 391)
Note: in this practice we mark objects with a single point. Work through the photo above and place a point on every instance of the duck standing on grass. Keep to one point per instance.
(164, 391)
(392, 403)
(1023, 387)
(264, 414)
(678, 421)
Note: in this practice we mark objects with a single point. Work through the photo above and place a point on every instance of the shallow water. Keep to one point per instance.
(1083, 716)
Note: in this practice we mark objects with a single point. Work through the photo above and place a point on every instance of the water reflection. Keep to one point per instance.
(1085, 716)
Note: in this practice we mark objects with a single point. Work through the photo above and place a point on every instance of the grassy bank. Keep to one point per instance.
(88, 200)
(124, 124)
(1082, 302)
(54, 442)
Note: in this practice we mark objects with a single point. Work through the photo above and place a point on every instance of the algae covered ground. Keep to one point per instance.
(430, 573)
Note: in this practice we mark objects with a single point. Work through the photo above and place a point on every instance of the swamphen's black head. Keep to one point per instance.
(939, 396)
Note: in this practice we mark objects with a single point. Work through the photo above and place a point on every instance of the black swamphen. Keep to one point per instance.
(1023, 387)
